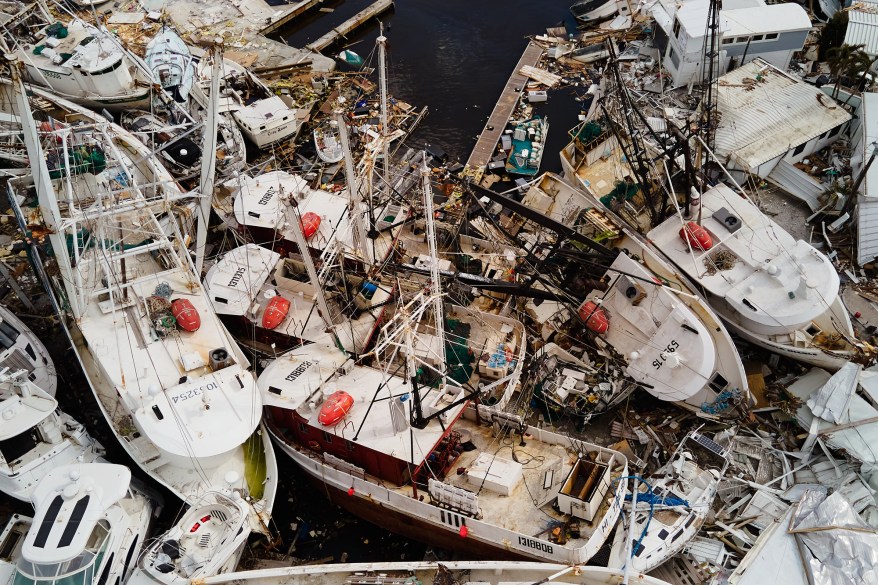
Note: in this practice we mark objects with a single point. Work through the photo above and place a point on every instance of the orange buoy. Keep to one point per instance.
(335, 408)
(595, 318)
(310, 223)
(698, 237)
(275, 312)
(186, 314)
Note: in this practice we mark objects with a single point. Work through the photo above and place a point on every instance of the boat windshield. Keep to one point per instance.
(77, 571)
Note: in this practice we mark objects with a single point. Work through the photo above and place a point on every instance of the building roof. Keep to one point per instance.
(766, 19)
(863, 29)
(765, 112)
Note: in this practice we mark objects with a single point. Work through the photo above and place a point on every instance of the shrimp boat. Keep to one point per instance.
(89, 525)
(528, 141)
(445, 573)
(171, 382)
(171, 62)
(20, 349)
(769, 288)
(267, 301)
(207, 540)
(36, 436)
(417, 442)
(327, 142)
(671, 510)
(640, 309)
(77, 61)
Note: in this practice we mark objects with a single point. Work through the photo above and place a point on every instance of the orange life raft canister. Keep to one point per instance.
(275, 312)
(335, 408)
(186, 314)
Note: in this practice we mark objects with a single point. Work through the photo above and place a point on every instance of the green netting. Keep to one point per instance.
(622, 192)
(589, 131)
(458, 356)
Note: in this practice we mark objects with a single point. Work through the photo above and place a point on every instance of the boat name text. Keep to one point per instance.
(546, 548)
(662, 358)
(192, 392)
(301, 369)
(236, 278)
(267, 197)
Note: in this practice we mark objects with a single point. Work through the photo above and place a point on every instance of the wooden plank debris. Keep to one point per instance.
(540, 75)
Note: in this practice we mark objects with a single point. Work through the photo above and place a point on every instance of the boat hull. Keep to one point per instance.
(419, 520)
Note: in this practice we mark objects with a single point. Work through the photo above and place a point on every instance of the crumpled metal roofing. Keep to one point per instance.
(863, 29)
(762, 119)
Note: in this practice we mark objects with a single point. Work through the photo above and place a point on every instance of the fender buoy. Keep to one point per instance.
(275, 312)
(335, 408)
(195, 527)
(186, 314)
(310, 223)
(697, 236)
(314, 446)
(594, 317)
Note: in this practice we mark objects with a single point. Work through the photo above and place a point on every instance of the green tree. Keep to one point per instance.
(842, 61)
(832, 34)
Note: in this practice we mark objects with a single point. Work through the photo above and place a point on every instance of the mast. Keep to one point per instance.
(355, 202)
(709, 66)
(208, 160)
(381, 41)
(435, 285)
(45, 192)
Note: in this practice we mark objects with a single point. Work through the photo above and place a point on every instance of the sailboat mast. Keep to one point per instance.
(355, 202)
(435, 285)
(323, 308)
(382, 86)
(208, 160)
(45, 192)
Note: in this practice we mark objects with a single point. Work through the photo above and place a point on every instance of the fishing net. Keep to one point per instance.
(719, 261)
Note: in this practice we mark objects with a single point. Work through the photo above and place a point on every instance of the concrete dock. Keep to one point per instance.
(242, 25)
(349, 25)
(487, 143)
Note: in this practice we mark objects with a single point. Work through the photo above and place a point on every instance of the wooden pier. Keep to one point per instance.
(349, 25)
(289, 15)
(487, 142)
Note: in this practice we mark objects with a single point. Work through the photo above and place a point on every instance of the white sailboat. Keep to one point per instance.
(399, 444)
(771, 289)
(672, 508)
(327, 142)
(171, 62)
(207, 540)
(171, 382)
(36, 436)
(89, 525)
(21, 349)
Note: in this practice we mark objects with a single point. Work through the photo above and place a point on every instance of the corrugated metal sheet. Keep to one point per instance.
(867, 230)
(761, 120)
(862, 30)
(867, 207)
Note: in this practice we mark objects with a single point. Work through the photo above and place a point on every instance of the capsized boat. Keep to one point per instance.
(327, 142)
(263, 117)
(171, 62)
(207, 540)
(21, 349)
(672, 508)
(640, 309)
(769, 288)
(589, 12)
(444, 573)
(171, 382)
(350, 57)
(36, 436)
(77, 61)
(528, 141)
(89, 525)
